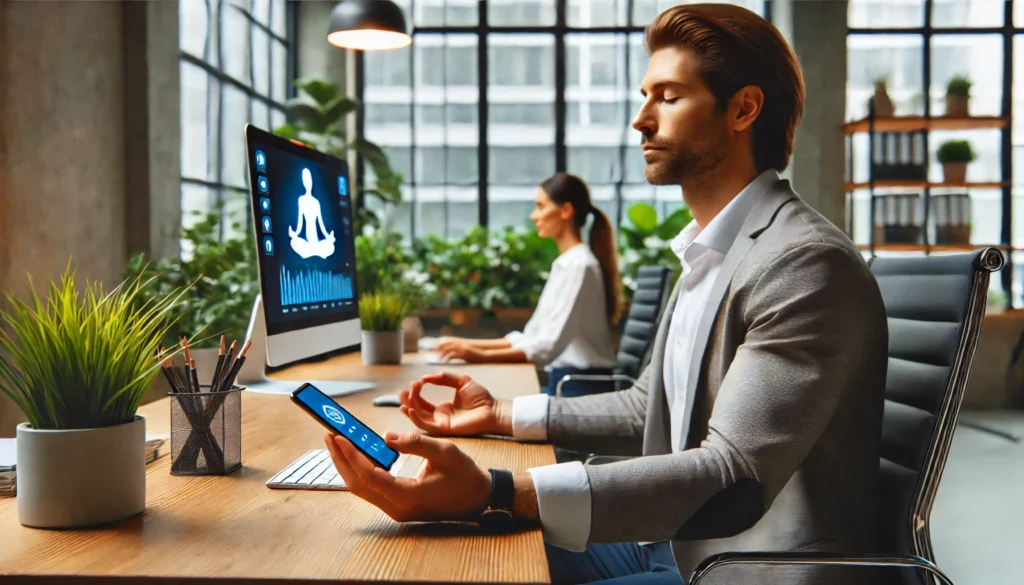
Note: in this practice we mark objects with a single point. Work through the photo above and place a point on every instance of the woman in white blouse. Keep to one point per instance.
(571, 328)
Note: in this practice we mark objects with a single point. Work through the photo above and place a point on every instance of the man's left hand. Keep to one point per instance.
(452, 487)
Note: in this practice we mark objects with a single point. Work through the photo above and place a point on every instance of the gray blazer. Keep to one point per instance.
(783, 415)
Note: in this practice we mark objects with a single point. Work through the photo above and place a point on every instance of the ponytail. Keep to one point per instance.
(602, 244)
(566, 188)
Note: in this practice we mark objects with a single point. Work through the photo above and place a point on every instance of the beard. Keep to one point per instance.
(687, 159)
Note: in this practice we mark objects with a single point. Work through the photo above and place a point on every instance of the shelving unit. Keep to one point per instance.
(873, 126)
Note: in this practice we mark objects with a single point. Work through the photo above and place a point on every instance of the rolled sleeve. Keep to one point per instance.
(530, 417)
(563, 497)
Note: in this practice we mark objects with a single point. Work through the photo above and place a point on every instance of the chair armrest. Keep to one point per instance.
(602, 459)
(795, 558)
(592, 378)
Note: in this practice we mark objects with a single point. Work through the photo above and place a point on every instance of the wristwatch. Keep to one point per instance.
(496, 515)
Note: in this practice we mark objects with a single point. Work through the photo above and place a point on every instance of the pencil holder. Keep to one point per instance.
(206, 432)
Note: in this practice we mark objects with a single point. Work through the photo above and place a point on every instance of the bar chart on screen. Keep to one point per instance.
(313, 286)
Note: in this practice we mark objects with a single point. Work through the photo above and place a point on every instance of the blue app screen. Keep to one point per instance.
(346, 425)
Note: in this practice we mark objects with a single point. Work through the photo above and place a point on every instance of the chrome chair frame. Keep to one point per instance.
(987, 261)
(592, 378)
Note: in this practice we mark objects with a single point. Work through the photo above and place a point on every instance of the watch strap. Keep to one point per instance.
(503, 489)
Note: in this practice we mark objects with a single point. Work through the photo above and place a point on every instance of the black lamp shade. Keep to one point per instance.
(368, 25)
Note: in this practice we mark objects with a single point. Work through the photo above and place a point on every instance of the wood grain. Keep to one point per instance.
(236, 529)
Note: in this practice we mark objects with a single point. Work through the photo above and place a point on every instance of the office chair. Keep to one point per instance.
(935, 307)
(637, 336)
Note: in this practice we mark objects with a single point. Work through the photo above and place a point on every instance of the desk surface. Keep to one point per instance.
(235, 528)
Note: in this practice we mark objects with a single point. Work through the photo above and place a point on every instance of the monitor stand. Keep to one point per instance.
(253, 374)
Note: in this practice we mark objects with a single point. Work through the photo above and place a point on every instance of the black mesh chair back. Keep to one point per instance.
(642, 321)
(935, 306)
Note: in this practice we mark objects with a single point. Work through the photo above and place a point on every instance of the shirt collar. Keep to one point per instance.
(722, 230)
(568, 255)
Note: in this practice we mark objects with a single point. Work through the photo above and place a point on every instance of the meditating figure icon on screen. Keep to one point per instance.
(309, 243)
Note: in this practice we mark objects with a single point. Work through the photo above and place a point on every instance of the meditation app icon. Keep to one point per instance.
(266, 225)
(334, 415)
(305, 238)
(261, 161)
(264, 184)
(265, 204)
(268, 245)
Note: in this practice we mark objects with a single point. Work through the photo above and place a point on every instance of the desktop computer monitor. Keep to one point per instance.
(302, 214)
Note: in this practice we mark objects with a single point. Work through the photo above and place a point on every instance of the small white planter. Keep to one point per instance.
(81, 477)
(382, 347)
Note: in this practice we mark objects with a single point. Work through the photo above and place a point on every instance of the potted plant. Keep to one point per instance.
(77, 367)
(954, 156)
(524, 263)
(223, 282)
(881, 101)
(958, 95)
(645, 242)
(381, 316)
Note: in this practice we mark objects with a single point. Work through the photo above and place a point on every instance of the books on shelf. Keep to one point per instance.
(155, 448)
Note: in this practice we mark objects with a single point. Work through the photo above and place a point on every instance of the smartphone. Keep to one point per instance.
(338, 420)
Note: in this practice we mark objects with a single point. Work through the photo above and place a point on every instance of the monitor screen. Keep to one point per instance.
(303, 221)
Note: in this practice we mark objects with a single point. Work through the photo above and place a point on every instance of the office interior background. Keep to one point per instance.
(121, 129)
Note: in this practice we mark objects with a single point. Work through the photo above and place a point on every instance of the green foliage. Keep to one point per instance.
(464, 270)
(524, 262)
(955, 151)
(959, 85)
(383, 265)
(224, 282)
(382, 311)
(80, 362)
(647, 242)
(318, 118)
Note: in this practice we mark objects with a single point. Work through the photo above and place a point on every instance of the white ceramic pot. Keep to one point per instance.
(382, 347)
(81, 477)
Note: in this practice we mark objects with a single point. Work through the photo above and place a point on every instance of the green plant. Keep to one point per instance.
(959, 85)
(223, 277)
(318, 118)
(465, 270)
(382, 311)
(384, 265)
(79, 362)
(646, 242)
(524, 263)
(956, 151)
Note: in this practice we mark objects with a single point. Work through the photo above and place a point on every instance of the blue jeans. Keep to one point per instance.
(578, 388)
(620, 563)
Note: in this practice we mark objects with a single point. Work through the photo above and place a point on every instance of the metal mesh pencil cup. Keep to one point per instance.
(206, 432)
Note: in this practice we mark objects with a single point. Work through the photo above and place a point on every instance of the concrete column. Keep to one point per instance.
(152, 113)
(817, 32)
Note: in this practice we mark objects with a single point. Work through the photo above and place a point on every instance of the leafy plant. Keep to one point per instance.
(318, 118)
(384, 265)
(956, 151)
(465, 270)
(382, 311)
(959, 85)
(79, 362)
(646, 242)
(223, 277)
(524, 263)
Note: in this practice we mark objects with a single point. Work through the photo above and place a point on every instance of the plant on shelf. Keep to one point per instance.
(954, 156)
(77, 364)
(381, 316)
(880, 101)
(646, 242)
(958, 95)
(223, 277)
(318, 118)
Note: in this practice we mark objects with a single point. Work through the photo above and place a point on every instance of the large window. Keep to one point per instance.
(918, 46)
(235, 69)
(475, 117)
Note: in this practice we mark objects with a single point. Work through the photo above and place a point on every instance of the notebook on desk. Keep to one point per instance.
(315, 471)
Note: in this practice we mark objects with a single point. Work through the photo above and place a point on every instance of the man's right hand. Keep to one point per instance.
(473, 411)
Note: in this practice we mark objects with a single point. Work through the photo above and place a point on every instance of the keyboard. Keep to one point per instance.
(315, 471)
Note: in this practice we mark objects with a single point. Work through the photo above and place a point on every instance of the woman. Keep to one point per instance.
(570, 331)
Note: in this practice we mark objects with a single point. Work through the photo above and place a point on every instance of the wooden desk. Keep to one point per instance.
(236, 529)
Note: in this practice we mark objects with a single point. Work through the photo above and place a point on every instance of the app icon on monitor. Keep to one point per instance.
(268, 245)
(264, 184)
(342, 186)
(261, 161)
(265, 204)
(266, 225)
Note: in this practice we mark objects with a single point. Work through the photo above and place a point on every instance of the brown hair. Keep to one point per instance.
(564, 188)
(735, 48)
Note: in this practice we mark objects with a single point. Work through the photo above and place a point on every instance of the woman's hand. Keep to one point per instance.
(472, 411)
(462, 351)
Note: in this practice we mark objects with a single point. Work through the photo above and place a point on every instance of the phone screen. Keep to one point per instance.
(341, 421)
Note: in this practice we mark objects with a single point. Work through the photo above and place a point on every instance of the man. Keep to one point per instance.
(759, 415)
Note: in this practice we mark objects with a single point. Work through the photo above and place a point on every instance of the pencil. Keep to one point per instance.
(214, 382)
(233, 373)
(227, 366)
(195, 376)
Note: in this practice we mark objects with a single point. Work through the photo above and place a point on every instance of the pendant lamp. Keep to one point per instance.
(368, 25)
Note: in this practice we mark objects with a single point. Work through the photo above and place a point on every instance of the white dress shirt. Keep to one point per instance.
(563, 490)
(569, 327)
